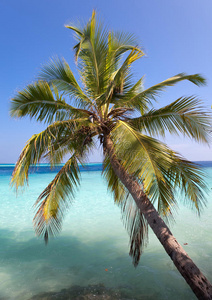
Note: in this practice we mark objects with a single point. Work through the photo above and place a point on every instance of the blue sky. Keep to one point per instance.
(175, 35)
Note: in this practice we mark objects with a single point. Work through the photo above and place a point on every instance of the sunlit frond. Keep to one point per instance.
(133, 219)
(99, 54)
(58, 72)
(148, 160)
(78, 138)
(80, 33)
(118, 78)
(123, 99)
(185, 115)
(119, 43)
(45, 143)
(154, 91)
(54, 200)
(38, 101)
(159, 169)
(189, 182)
(91, 51)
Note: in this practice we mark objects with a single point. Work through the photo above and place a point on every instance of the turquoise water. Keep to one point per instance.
(92, 239)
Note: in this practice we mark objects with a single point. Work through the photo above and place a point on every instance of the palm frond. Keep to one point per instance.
(185, 115)
(78, 138)
(80, 33)
(154, 91)
(54, 200)
(160, 170)
(189, 181)
(118, 44)
(136, 226)
(58, 72)
(75, 29)
(133, 219)
(91, 51)
(142, 105)
(118, 77)
(38, 101)
(148, 160)
(44, 144)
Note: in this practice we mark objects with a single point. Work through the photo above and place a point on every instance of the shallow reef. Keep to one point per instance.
(90, 292)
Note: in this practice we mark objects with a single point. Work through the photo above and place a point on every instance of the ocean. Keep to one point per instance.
(90, 255)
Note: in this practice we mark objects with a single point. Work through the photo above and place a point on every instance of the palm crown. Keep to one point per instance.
(108, 102)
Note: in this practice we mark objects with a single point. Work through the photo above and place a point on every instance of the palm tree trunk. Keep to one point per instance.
(193, 276)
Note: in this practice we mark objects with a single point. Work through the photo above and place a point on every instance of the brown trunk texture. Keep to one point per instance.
(191, 273)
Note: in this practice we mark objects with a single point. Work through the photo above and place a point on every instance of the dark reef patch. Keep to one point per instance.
(90, 292)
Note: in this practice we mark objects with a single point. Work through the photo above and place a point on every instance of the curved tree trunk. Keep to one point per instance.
(193, 276)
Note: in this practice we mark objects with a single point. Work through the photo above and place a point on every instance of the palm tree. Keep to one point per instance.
(109, 108)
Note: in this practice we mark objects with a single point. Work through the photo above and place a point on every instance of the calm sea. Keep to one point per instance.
(91, 253)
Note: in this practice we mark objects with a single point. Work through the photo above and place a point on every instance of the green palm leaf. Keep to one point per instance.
(46, 144)
(155, 165)
(118, 78)
(91, 50)
(38, 101)
(119, 43)
(58, 72)
(132, 218)
(189, 180)
(154, 91)
(54, 199)
(185, 115)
